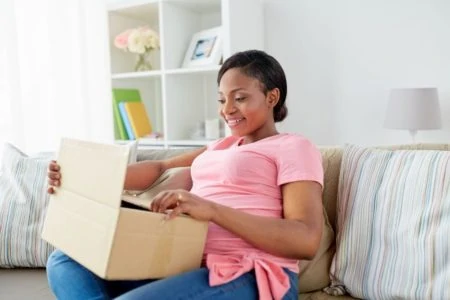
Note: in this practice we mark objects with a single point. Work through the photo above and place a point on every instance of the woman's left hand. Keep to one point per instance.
(181, 201)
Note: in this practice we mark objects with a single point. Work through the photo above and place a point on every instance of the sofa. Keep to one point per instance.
(30, 282)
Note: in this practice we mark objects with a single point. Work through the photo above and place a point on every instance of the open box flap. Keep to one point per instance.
(93, 171)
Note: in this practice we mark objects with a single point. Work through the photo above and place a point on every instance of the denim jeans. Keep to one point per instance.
(70, 281)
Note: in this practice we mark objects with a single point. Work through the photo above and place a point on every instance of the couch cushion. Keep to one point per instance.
(393, 224)
(320, 295)
(159, 154)
(23, 201)
(332, 156)
(331, 160)
(314, 274)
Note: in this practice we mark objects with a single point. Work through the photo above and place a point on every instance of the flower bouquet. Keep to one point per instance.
(141, 41)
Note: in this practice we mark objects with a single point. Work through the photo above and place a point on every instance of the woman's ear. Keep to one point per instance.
(273, 96)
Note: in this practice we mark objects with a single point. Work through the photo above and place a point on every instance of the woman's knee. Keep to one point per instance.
(57, 264)
(56, 258)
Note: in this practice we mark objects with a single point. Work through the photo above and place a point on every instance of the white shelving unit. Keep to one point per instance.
(177, 99)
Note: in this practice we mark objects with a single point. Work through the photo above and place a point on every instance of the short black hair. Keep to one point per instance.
(264, 67)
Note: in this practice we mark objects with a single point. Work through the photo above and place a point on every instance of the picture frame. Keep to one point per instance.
(205, 48)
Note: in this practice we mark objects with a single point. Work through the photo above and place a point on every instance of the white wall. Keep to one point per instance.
(342, 57)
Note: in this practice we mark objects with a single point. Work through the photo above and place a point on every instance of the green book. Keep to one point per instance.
(122, 95)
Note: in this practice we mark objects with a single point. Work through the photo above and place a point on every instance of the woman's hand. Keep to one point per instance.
(181, 201)
(54, 176)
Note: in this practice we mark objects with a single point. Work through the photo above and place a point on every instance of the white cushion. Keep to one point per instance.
(23, 202)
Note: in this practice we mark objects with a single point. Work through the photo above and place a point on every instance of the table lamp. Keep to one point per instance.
(413, 109)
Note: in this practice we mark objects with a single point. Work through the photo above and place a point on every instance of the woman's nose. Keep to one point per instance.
(228, 107)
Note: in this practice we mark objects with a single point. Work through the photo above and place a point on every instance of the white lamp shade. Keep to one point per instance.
(413, 109)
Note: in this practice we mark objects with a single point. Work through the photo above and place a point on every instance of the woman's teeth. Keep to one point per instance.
(234, 122)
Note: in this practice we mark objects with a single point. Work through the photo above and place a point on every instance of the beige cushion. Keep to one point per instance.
(314, 274)
(331, 160)
(319, 295)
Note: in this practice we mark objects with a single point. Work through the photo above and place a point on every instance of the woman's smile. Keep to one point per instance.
(234, 122)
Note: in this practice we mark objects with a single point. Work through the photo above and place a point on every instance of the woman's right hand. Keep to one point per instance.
(54, 176)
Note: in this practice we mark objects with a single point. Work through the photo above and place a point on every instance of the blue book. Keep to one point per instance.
(126, 121)
(122, 95)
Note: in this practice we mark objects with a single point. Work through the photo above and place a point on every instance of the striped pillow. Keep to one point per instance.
(393, 225)
(23, 202)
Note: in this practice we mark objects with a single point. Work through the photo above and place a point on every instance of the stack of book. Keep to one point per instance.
(131, 121)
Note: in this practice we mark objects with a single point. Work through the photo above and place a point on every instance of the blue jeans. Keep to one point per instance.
(69, 280)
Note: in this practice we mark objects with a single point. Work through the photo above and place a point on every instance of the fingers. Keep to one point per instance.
(164, 201)
(155, 206)
(53, 166)
(178, 210)
(168, 202)
(54, 176)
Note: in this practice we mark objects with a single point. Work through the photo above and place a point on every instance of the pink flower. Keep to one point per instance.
(137, 40)
(121, 41)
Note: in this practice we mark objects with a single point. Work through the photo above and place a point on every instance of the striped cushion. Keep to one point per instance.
(393, 225)
(23, 201)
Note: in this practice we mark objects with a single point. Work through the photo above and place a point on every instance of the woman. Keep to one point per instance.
(260, 191)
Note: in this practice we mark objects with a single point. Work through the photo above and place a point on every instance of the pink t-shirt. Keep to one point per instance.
(248, 177)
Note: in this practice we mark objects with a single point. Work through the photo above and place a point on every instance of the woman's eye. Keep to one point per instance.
(239, 99)
(221, 101)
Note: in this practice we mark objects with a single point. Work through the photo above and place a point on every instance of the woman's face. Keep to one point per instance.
(244, 106)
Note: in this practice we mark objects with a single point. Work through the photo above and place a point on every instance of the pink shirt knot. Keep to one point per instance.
(273, 282)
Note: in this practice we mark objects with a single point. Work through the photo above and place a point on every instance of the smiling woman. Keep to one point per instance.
(259, 190)
(252, 99)
(53, 74)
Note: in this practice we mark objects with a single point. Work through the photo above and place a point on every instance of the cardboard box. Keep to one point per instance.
(86, 221)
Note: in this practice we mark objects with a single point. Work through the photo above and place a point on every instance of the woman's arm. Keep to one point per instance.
(142, 174)
(296, 236)
(139, 175)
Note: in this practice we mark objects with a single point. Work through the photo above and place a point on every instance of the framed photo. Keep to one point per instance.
(205, 48)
